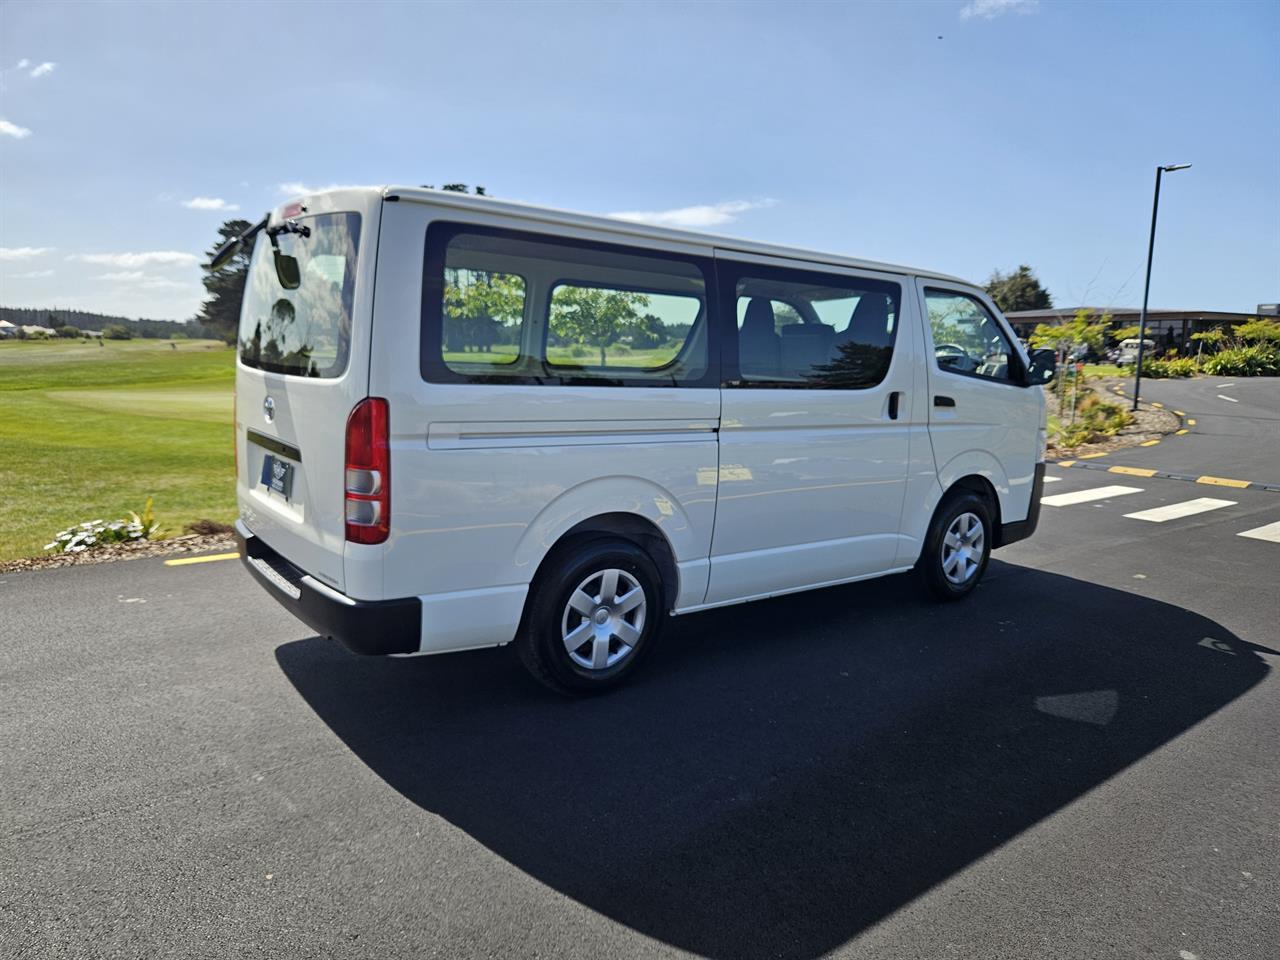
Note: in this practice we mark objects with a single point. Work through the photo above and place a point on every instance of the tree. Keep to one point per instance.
(116, 331)
(1082, 329)
(594, 316)
(1255, 330)
(221, 311)
(457, 188)
(478, 305)
(1121, 334)
(1019, 290)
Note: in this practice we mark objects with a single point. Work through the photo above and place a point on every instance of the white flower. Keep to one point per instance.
(50, 546)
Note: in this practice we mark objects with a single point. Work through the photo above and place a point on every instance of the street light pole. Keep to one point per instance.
(1146, 288)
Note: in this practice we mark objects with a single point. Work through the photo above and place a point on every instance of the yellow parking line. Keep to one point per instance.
(1183, 432)
(205, 559)
(1222, 482)
(1190, 422)
(1066, 463)
(1180, 413)
(1159, 405)
(1090, 456)
(1148, 443)
(1132, 471)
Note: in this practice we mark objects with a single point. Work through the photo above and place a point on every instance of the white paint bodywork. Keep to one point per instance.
(757, 492)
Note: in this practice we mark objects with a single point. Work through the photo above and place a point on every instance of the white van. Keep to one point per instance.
(463, 423)
(1128, 352)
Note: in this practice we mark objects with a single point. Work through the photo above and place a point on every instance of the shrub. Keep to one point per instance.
(93, 533)
(207, 528)
(1256, 360)
(1160, 368)
(116, 331)
(68, 333)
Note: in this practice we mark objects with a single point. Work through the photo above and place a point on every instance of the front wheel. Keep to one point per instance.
(957, 546)
(591, 616)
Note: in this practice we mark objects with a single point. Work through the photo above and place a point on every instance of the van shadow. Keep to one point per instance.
(783, 774)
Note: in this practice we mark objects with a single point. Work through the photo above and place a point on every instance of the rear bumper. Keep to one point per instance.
(363, 626)
(1021, 529)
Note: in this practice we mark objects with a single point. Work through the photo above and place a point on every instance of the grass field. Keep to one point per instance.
(88, 432)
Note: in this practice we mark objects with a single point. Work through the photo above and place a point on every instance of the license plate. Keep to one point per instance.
(277, 475)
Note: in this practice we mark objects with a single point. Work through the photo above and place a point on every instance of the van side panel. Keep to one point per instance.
(485, 477)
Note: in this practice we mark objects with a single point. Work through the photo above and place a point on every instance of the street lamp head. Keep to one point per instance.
(1170, 167)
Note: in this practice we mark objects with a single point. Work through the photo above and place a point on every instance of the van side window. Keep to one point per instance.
(966, 338)
(797, 329)
(516, 307)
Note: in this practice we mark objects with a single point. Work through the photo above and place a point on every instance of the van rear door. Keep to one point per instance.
(303, 364)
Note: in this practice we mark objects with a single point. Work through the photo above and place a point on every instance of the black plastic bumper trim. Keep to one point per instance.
(375, 627)
(1021, 529)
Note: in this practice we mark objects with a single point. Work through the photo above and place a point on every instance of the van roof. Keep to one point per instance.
(628, 228)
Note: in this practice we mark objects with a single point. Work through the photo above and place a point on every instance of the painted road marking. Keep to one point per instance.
(1270, 532)
(1148, 443)
(1091, 456)
(1182, 433)
(1223, 386)
(1084, 496)
(1132, 471)
(1190, 422)
(1222, 482)
(1158, 406)
(1176, 511)
(1223, 396)
(205, 559)
(1181, 413)
(1052, 479)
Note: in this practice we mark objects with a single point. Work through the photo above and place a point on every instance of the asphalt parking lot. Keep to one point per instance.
(1080, 760)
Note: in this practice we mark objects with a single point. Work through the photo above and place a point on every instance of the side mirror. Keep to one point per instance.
(287, 271)
(1041, 367)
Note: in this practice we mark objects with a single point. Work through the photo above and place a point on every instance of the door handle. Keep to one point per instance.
(893, 404)
(940, 401)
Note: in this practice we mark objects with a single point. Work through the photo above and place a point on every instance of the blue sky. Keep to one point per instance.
(1028, 133)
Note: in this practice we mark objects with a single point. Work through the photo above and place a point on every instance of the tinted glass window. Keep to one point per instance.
(814, 330)
(307, 330)
(521, 307)
(966, 338)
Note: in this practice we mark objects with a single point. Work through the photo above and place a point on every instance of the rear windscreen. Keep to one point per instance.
(307, 330)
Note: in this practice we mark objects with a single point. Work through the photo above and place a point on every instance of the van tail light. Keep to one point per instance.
(368, 472)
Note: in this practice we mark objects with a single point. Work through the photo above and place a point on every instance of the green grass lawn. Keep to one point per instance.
(1106, 370)
(89, 432)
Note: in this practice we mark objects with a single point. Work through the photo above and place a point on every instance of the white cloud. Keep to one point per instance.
(296, 189)
(24, 63)
(13, 130)
(164, 258)
(31, 275)
(141, 281)
(702, 215)
(990, 9)
(23, 253)
(43, 70)
(121, 275)
(209, 203)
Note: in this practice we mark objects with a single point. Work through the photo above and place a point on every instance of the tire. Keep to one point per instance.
(570, 599)
(957, 546)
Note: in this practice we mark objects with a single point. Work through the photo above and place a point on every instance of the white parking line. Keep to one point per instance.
(1052, 479)
(1228, 399)
(1084, 496)
(1223, 386)
(1176, 511)
(1270, 532)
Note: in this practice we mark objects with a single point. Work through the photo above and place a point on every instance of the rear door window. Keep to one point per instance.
(304, 331)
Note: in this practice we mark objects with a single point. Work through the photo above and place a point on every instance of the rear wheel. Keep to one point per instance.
(592, 614)
(957, 546)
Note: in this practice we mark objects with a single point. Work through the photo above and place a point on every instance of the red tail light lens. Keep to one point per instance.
(368, 472)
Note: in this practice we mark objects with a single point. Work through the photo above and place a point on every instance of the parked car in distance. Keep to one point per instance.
(554, 430)
(1128, 352)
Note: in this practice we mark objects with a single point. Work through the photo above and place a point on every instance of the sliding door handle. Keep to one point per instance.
(941, 401)
(893, 404)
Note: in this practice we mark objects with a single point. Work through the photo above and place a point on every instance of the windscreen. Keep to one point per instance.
(307, 330)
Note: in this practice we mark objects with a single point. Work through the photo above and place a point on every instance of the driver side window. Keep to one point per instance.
(966, 338)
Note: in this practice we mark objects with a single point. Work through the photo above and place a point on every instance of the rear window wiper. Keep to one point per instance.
(287, 271)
